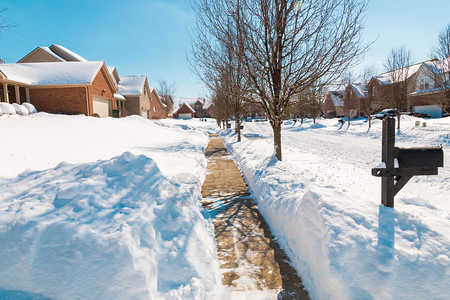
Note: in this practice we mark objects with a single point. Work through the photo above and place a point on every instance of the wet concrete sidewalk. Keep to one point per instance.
(250, 259)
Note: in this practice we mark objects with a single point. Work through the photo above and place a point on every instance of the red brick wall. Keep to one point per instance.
(71, 100)
(98, 84)
(160, 112)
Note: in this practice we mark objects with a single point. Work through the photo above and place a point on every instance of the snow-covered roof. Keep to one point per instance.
(52, 73)
(191, 101)
(439, 67)
(388, 77)
(48, 51)
(337, 97)
(187, 105)
(360, 89)
(132, 85)
(119, 96)
(69, 52)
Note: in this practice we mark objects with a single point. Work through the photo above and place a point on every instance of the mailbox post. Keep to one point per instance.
(401, 164)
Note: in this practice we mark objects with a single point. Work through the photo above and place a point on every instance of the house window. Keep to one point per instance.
(154, 108)
(424, 83)
(374, 90)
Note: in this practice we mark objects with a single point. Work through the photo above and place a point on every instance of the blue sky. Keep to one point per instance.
(151, 37)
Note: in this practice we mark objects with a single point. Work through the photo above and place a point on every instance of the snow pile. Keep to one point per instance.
(323, 205)
(7, 109)
(109, 229)
(81, 217)
(30, 107)
(20, 109)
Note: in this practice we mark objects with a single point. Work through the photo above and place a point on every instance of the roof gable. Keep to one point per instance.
(41, 54)
(187, 106)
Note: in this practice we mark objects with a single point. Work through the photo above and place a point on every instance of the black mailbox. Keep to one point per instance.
(430, 157)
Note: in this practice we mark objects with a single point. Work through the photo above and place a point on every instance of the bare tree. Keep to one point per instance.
(4, 24)
(288, 49)
(442, 71)
(366, 104)
(397, 64)
(167, 88)
(216, 50)
(283, 48)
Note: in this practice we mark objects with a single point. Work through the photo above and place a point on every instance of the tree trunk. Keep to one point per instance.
(277, 140)
(226, 123)
(370, 122)
(398, 121)
(238, 129)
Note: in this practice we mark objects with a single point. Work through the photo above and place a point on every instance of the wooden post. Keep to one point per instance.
(387, 156)
(5, 92)
(17, 91)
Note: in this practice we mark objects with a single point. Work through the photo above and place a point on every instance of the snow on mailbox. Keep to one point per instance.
(399, 165)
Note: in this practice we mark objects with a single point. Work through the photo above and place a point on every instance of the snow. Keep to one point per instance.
(360, 89)
(103, 209)
(30, 107)
(71, 53)
(119, 96)
(7, 109)
(108, 208)
(52, 73)
(20, 109)
(132, 85)
(323, 206)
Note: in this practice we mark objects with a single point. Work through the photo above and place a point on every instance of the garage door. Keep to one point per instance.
(144, 114)
(185, 116)
(102, 107)
(434, 111)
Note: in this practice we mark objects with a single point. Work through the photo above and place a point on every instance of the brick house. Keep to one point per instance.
(66, 87)
(141, 100)
(168, 101)
(185, 111)
(422, 95)
(200, 106)
(355, 100)
(334, 104)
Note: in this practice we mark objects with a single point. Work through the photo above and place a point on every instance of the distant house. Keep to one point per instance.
(65, 87)
(185, 111)
(355, 100)
(334, 104)
(200, 106)
(168, 101)
(140, 99)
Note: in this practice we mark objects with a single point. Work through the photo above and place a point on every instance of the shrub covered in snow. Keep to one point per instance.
(7, 109)
(20, 109)
(30, 107)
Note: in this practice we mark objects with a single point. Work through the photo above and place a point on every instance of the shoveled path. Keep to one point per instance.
(250, 258)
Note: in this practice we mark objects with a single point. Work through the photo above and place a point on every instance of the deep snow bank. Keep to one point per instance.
(104, 230)
(322, 204)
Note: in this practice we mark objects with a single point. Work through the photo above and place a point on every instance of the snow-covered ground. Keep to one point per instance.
(103, 209)
(324, 207)
(108, 208)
